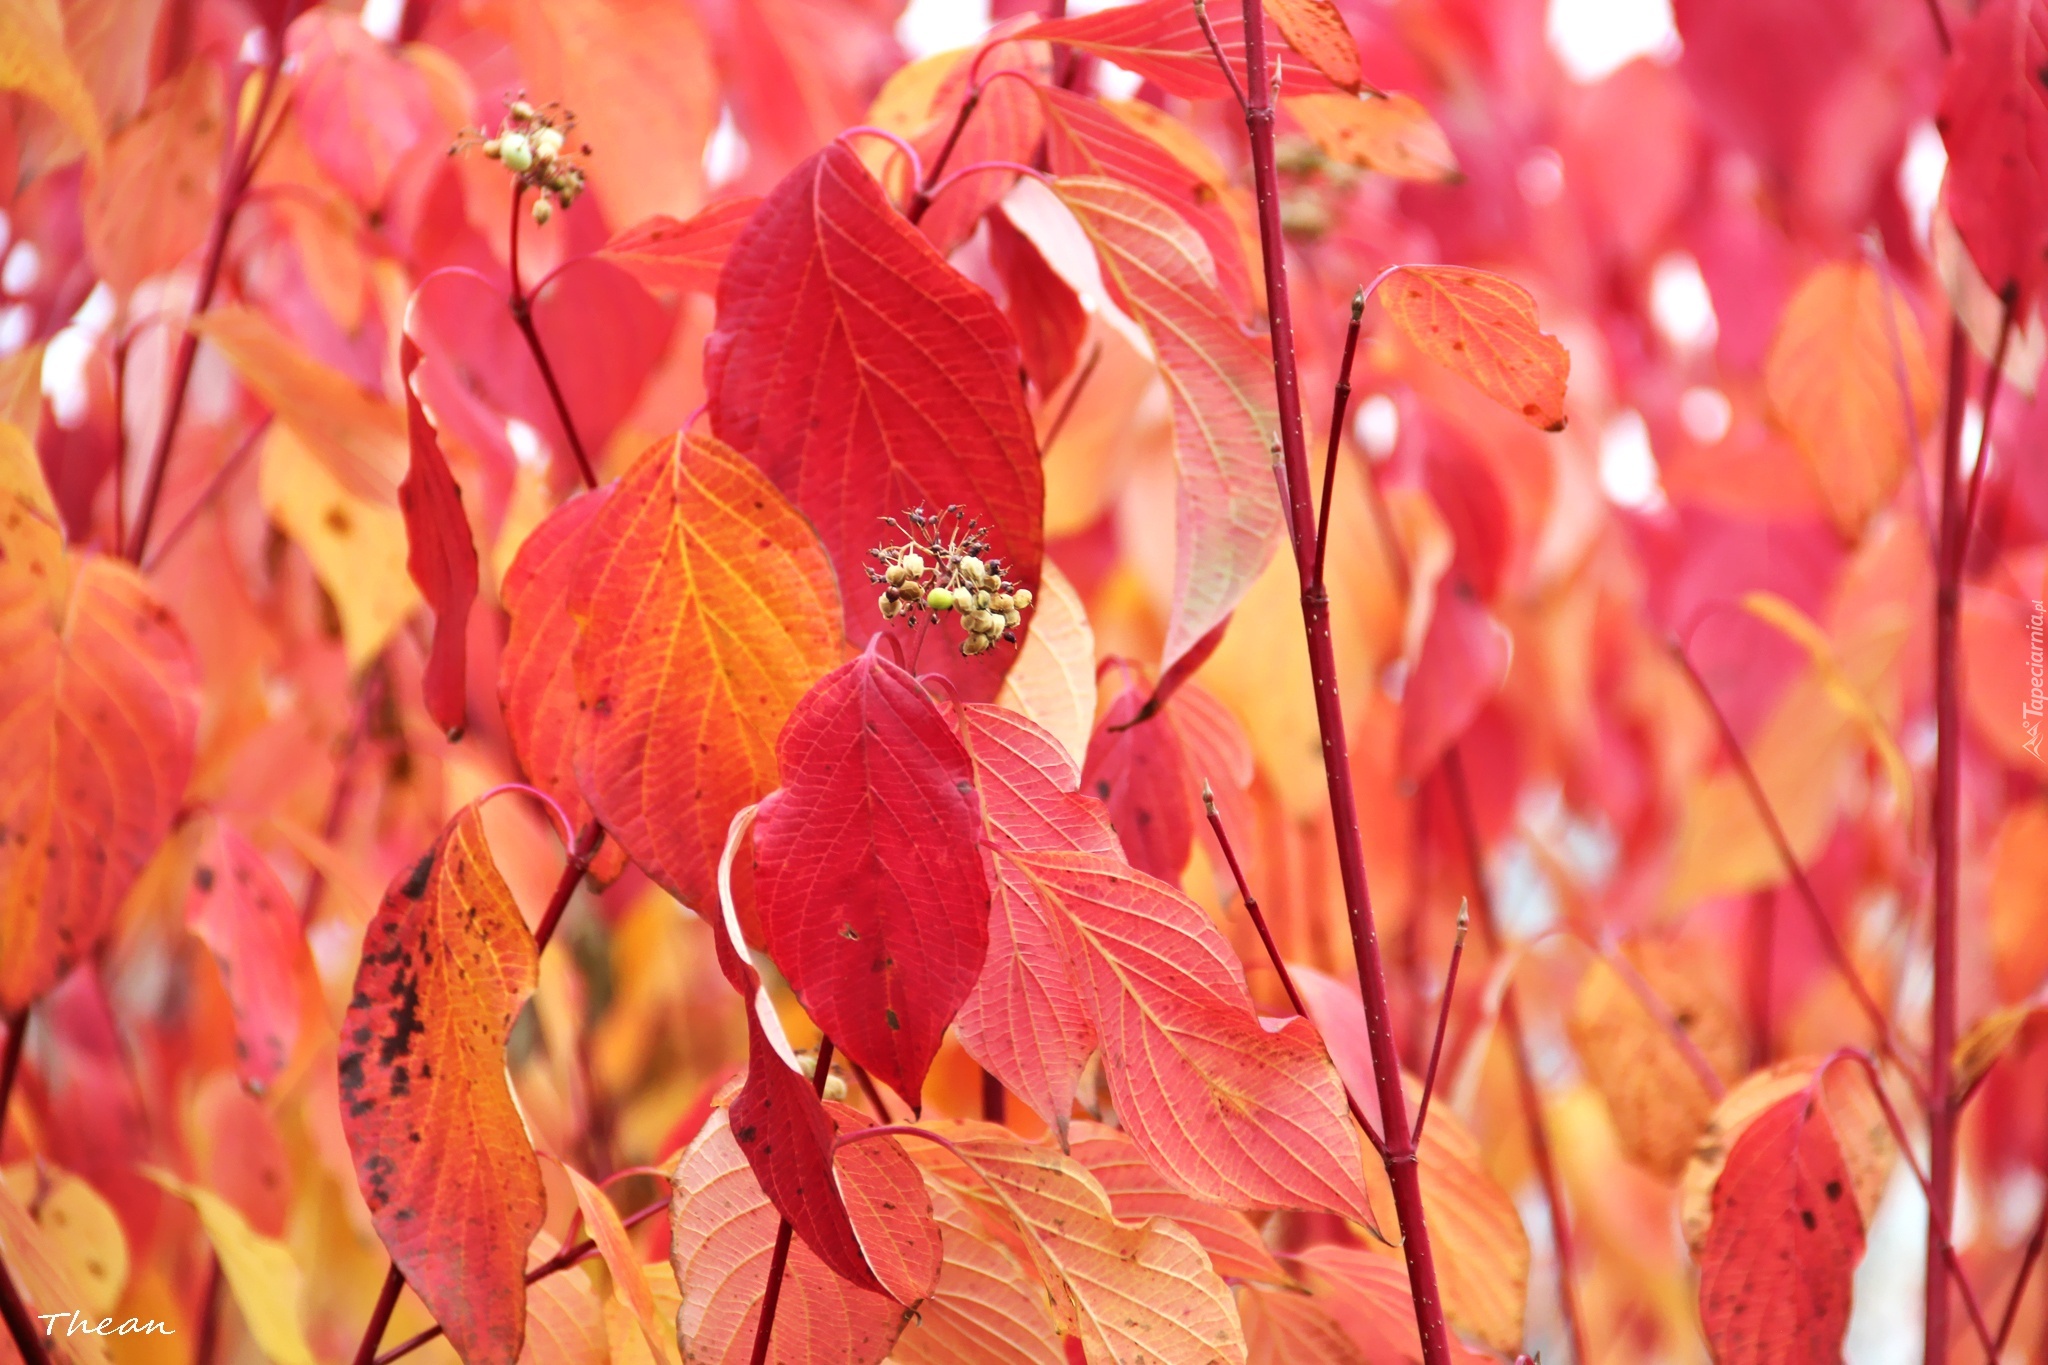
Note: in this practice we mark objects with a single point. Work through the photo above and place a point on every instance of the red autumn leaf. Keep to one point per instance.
(1483, 327)
(723, 1230)
(440, 1152)
(1366, 1293)
(1463, 663)
(871, 890)
(1084, 139)
(1232, 1112)
(1162, 41)
(1139, 770)
(663, 253)
(440, 555)
(1777, 1265)
(99, 710)
(358, 103)
(705, 609)
(536, 672)
(167, 158)
(250, 924)
(1994, 120)
(1024, 1020)
(867, 376)
(1227, 514)
(1043, 308)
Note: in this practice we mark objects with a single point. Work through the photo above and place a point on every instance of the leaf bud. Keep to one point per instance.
(1022, 597)
(516, 151)
(939, 599)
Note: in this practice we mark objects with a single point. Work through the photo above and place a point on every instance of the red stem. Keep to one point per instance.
(588, 841)
(522, 314)
(1443, 1024)
(921, 197)
(20, 1325)
(1823, 927)
(241, 165)
(380, 1317)
(1258, 919)
(1338, 410)
(1403, 1173)
(1941, 1114)
(2019, 1284)
(780, 1261)
(1763, 926)
(1216, 48)
(1986, 406)
(228, 468)
(10, 1061)
(1453, 768)
(567, 1258)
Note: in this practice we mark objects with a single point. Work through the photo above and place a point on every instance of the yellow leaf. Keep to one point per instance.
(1989, 1039)
(44, 1281)
(1833, 375)
(82, 1229)
(34, 60)
(357, 547)
(260, 1272)
(1393, 135)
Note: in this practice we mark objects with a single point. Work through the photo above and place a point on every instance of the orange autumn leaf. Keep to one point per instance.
(168, 158)
(1316, 29)
(986, 1309)
(1136, 1192)
(99, 709)
(1392, 134)
(1845, 345)
(442, 1157)
(1484, 327)
(705, 610)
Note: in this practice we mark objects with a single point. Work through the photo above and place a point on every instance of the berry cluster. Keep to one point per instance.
(934, 571)
(533, 145)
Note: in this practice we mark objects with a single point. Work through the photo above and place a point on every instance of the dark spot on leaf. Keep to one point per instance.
(203, 878)
(1834, 1188)
(1806, 1217)
(894, 1022)
(416, 885)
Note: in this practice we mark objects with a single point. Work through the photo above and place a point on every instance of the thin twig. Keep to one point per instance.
(240, 167)
(10, 1060)
(588, 841)
(780, 1261)
(522, 314)
(564, 1259)
(1823, 927)
(921, 197)
(1059, 421)
(1339, 407)
(1941, 1248)
(1985, 406)
(1258, 919)
(2019, 1284)
(1216, 47)
(1443, 1023)
(228, 469)
(380, 1317)
(1940, 27)
(1453, 769)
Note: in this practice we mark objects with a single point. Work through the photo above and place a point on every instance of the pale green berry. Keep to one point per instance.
(939, 599)
(516, 151)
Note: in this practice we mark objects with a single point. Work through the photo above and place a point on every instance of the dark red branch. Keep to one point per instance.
(1403, 1174)
(1986, 405)
(1258, 919)
(522, 314)
(588, 841)
(1443, 1023)
(1339, 408)
(2019, 1284)
(380, 1318)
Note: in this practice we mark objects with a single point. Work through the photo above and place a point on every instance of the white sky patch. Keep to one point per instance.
(930, 26)
(24, 267)
(70, 351)
(1705, 414)
(1973, 434)
(525, 443)
(725, 151)
(1594, 38)
(1628, 467)
(1920, 175)
(1376, 426)
(1680, 303)
(380, 18)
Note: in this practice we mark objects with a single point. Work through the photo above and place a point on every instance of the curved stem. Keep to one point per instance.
(588, 841)
(380, 1317)
(1339, 407)
(779, 1263)
(1403, 1173)
(2019, 1284)
(522, 314)
(240, 166)
(1453, 768)
(1823, 927)
(1443, 1024)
